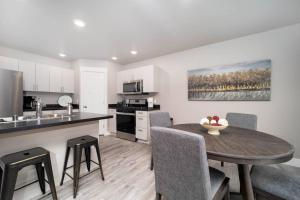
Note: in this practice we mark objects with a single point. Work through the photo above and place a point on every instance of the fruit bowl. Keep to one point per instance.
(214, 124)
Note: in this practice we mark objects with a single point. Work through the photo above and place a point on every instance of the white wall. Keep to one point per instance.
(22, 55)
(280, 116)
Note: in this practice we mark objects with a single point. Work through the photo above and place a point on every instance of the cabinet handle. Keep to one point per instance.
(140, 119)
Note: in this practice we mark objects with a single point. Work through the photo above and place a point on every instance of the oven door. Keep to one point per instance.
(126, 126)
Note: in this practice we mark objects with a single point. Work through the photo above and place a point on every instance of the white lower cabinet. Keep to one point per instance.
(142, 129)
(112, 122)
(141, 133)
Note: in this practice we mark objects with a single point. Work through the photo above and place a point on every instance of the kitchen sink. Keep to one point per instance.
(34, 118)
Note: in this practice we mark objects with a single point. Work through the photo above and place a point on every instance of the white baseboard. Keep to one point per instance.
(294, 162)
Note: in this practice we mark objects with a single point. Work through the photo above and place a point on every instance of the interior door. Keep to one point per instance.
(94, 94)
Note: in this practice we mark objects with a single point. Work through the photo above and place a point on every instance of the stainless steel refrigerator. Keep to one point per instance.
(11, 93)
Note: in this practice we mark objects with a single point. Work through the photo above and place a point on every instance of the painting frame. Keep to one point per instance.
(243, 81)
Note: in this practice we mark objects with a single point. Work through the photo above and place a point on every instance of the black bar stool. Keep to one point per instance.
(11, 164)
(78, 144)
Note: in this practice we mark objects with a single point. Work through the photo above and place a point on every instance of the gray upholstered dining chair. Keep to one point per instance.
(247, 121)
(161, 119)
(181, 167)
(276, 182)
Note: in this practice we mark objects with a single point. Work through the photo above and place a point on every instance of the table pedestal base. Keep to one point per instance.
(245, 182)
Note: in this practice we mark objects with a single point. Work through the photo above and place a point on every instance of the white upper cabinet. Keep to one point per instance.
(68, 81)
(28, 69)
(8, 63)
(149, 75)
(43, 77)
(61, 80)
(150, 78)
(40, 77)
(55, 80)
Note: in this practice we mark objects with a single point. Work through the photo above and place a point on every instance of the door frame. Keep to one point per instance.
(82, 69)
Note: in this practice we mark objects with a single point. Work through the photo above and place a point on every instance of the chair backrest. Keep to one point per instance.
(181, 167)
(242, 120)
(161, 119)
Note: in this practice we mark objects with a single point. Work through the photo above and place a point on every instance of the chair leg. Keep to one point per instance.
(151, 165)
(87, 151)
(41, 176)
(8, 183)
(222, 164)
(158, 196)
(1, 175)
(99, 160)
(48, 168)
(227, 194)
(76, 168)
(65, 165)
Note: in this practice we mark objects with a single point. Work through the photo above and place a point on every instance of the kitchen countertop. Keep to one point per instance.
(44, 123)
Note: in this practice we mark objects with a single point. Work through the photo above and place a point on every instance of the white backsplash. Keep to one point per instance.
(47, 97)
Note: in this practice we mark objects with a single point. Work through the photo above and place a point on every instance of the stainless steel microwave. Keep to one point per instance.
(133, 87)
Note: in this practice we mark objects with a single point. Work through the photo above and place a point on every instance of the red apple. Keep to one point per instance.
(216, 118)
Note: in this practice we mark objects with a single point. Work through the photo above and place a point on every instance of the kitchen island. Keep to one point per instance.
(50, 133)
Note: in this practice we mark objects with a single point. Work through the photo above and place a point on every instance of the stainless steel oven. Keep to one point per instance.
(133, 87)
(126, 126)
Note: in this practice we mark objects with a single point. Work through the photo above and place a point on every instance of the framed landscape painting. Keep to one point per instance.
(247, 81)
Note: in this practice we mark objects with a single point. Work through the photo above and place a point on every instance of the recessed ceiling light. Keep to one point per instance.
(114, 58)
(79, 23)
(133, 52)
(62, 55)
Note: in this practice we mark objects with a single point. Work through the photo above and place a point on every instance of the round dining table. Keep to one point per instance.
(243, 147)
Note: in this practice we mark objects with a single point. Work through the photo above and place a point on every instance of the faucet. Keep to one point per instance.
(39, 106)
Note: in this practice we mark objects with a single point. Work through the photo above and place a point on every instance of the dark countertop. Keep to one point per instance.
(156, 107)
(44, 123)
(51, 107)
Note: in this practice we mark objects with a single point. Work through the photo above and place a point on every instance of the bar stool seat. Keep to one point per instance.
(78, 144)
(11, 164)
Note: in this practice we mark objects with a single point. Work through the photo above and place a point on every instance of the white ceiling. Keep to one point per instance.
(152, 27)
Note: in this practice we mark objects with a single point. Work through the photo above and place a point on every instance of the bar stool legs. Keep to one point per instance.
(49, 172)
(99, 160)
(41, 176)
(8, 183)
(11, 164)
(87, 151)
(79, 144)
(65, 165)
(76, 168)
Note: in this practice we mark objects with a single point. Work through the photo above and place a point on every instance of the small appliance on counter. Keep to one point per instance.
(29, 102)
(150, 101)
(66, 101)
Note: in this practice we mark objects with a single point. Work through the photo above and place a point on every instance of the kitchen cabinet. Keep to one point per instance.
(42, 77)
(8, 63)
(28, 69)
(142, 131)
(61, 80)
(112, 123)
(149, 74)
(55, 80)
(67, 81)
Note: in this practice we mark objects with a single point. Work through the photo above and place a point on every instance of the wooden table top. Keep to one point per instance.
(242, 146)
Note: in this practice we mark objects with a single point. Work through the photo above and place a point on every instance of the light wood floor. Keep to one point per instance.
(127, 174)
